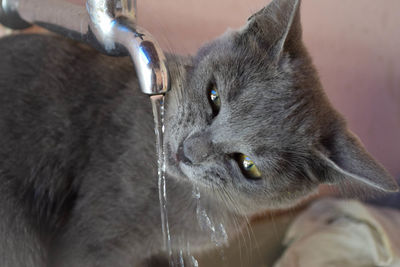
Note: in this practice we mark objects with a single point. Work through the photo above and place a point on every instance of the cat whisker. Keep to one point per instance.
(247, 226)
(225, 199)
(241, 228)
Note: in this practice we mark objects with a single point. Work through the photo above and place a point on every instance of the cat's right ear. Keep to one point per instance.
(277, 28)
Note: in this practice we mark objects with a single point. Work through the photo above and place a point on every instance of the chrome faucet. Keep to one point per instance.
(108, 25)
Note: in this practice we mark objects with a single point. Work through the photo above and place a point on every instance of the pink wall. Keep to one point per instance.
(355, 45)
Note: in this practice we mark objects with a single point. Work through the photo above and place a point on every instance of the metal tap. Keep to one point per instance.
(108, 25)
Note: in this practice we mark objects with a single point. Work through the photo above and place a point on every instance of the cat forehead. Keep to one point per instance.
(240, 71)
(234, 57)
(262, 94)
(229, 46)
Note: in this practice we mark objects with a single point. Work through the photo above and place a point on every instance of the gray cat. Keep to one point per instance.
(246, 122)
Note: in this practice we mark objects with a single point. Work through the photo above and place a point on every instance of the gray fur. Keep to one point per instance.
(77, 156)
(274, 110)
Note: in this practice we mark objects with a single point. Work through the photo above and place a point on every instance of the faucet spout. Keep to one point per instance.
(148, 58)
(107, 25)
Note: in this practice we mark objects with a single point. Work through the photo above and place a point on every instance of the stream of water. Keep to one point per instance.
(216, 231)
(158, 112)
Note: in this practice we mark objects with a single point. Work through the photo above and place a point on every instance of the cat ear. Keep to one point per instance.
(277, 27)
(345, 158)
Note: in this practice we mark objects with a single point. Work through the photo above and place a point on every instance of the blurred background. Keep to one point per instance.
(355, 45)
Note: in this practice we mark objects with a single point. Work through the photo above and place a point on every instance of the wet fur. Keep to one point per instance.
(78, 174)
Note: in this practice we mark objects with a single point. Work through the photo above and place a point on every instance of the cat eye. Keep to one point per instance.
(214, 98)
(248, 167)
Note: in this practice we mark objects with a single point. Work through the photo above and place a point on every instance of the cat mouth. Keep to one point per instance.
(181, 157)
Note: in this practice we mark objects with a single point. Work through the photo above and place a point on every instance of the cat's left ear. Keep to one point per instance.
(277, 27)
(343, 158)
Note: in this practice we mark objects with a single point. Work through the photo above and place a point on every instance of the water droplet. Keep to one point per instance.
(181, 259)
(195, 263)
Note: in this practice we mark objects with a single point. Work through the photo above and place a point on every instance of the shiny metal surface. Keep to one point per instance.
(108, 25)
(9, 16)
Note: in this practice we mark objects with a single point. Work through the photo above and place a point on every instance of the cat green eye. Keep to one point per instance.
(214, 98)
(248, 167)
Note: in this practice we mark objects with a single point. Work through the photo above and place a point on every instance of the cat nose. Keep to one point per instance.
(180, 155)
(196, 148)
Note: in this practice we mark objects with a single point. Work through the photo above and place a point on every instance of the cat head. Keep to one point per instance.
(247, 119)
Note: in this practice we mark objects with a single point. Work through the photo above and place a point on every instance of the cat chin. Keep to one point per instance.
(175, 172)
(296, 201)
